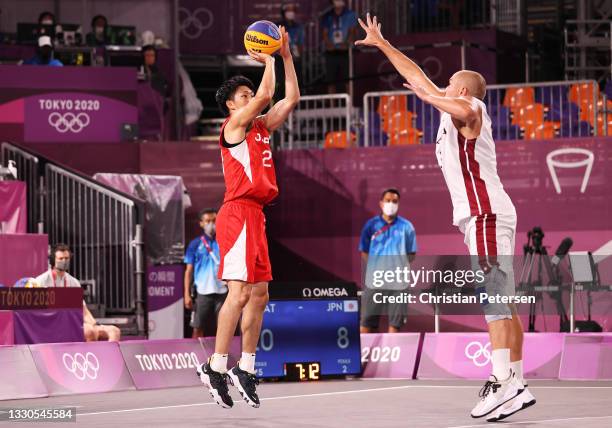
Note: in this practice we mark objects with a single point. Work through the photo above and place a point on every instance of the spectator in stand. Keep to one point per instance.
(46, 18)
(1, 32)
(58, 276)
(99, 31)
(44, 54)
(151, 71)
(296, 43)
(339, 27)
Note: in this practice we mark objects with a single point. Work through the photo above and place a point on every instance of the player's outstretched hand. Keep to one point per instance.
(259, 57)
(419, 91)
(373, 36)
(285, 50)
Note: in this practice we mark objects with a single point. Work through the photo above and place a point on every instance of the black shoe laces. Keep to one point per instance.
(219, 381)
(251, 383)
(484, 391)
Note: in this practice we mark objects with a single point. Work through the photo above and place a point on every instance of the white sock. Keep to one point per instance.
(218, 362)
(517, 368)
(247, 362)
(500, 358)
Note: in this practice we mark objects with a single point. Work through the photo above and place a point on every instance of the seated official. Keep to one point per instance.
(98, 36)
(44, 54)
(58, 276)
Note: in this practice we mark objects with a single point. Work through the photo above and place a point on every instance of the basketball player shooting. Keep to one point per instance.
(482, 210)
(250, 184)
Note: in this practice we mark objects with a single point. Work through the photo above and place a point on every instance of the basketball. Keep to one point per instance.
(262, 36)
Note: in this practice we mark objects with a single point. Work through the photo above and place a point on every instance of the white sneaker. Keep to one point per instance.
(521, 402)
(495, 393)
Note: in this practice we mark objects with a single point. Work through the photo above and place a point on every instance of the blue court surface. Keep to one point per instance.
(344, 403)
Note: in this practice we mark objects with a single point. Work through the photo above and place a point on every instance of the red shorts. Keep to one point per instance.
(243, 246)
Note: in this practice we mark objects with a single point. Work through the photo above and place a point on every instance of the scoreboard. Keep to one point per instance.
(310, 331)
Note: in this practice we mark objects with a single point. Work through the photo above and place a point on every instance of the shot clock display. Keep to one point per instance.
(302, 371)
(309, 332)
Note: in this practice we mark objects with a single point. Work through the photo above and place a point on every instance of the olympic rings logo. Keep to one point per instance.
(192, 26)
(82, 366)
(480, 355)
(68, 122)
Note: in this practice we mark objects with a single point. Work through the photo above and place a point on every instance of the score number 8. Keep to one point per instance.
(343, 339)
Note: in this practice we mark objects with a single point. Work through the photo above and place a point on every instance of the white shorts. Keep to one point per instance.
(490, 239)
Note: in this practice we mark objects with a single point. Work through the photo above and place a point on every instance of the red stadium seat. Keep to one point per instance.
(541, 131)
(339, 140)
(390, 104)
(529, 115)
(405, 137)
(519, 97)
(398, 120)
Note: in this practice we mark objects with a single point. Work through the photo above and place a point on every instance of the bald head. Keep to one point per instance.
(473, 83)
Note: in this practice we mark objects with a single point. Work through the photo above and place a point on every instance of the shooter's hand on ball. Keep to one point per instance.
(260, 57)
(374, 36)
(285, 49)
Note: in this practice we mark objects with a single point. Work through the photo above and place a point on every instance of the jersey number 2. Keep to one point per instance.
(267, 158)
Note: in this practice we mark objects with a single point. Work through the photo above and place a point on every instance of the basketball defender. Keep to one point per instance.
(482, 210)
(250, 184)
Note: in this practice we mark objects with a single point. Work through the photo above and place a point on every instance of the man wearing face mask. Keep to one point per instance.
(58, 276)
(202, 259)
(390, 236)
(99, 34)
(296, 42)
(339, 28)
(44, 54)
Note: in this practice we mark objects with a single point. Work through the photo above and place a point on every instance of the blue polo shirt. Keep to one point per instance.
(35, 60)
(338, 23)
(398, 239)
(205, 265)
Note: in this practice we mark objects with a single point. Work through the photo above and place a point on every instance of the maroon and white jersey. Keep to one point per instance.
(248, 167)
(470, 171)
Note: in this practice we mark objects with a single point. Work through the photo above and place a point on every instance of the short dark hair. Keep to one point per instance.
(54, 249)
(95, 18)
(148, 48)
(44, 14)
(206, 211)
(228, 89)
(390, 190)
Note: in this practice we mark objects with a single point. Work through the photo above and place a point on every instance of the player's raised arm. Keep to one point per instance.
(458, 107)
(280, 111)
(242, 117)
(404, 65)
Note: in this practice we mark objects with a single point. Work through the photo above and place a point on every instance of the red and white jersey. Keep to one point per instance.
(248, 167)
(470, 170)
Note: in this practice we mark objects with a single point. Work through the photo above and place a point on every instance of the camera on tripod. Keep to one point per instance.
(535, 238)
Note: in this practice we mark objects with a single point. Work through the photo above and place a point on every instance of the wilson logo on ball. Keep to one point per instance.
(263, 36)
(255, 39)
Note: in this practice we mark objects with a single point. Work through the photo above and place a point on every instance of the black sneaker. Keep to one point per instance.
(246, 384)
(217, 385)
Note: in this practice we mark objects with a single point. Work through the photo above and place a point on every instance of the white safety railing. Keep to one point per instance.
(314, 117)
(517, 111)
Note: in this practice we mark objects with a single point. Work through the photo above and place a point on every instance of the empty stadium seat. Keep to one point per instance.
(397, 121)
(582, 93)
(541, 131)
(392, 103)
(530, 115)
(405, 137)
(339, 140)
(519, 97)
